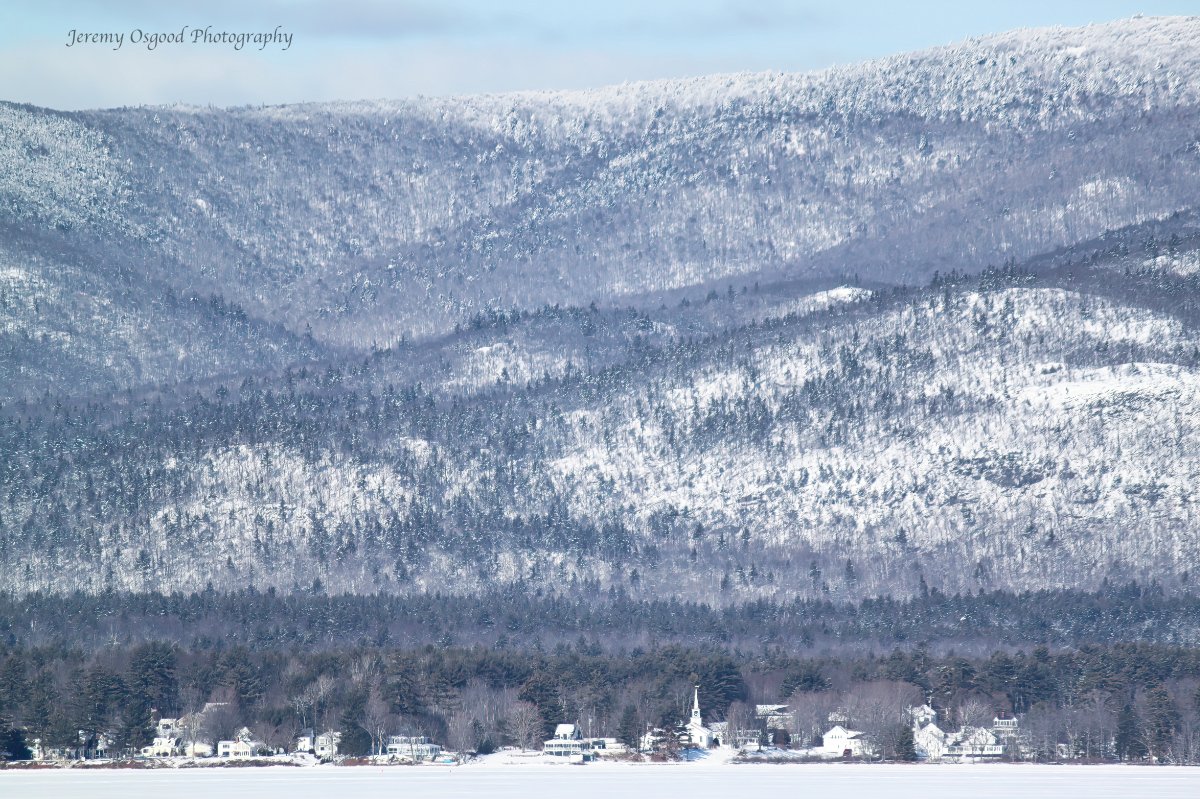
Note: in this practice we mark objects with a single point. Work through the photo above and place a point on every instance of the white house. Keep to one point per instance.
(104, 743)
(968, 745)
(972, 745)
(1005, 729)
(324, 745)
(415, 748)
(168, 728)
(841, 742)
(243, 746)
(653, 740)
(167, 739)
(921, 716)
(304, 741)
(930, 742)
(198, 749)
(605, 746)
(239, 749)
(746, 739)
(567, 742)
(190, 730)
(776, 717)
(162, 747)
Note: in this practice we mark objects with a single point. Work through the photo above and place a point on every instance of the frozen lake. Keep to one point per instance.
(594, 782)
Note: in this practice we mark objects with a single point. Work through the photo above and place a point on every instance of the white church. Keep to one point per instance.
(695, 733)
(698, 735)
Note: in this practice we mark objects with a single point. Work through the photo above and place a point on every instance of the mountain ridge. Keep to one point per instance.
(930, 323)
(794, 174)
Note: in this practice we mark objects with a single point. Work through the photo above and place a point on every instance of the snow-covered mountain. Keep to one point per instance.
(928, 319)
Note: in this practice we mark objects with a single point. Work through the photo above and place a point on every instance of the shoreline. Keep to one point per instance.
(166, 765)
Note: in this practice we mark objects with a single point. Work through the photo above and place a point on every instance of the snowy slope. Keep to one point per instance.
(678, 338)
(364, 223)
(1011, 432)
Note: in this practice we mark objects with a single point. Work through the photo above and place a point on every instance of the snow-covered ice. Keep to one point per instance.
(615, 780)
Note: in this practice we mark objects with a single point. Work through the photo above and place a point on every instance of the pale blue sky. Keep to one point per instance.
(374, 48)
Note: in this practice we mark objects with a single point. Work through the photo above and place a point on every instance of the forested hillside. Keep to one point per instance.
(1016, 430)
(922, 323)
(367, 223)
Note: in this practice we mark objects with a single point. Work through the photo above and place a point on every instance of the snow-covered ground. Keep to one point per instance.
(615, 780)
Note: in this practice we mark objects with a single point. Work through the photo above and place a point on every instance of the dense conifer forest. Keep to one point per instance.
(1112, 675)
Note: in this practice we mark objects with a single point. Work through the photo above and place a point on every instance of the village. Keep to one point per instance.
(770, 736)
(774, 723)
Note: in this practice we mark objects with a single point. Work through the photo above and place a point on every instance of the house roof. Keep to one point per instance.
(976, 735)
(932, 732)
(839, 729)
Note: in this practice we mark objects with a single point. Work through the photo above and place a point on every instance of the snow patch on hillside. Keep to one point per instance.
(1185, 263)
(1112, 385)
(815, 303)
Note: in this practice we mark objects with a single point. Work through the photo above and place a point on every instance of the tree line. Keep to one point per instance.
(523, 616)
(1129, 702)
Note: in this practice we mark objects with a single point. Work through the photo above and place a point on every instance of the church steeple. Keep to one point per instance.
(699, 735)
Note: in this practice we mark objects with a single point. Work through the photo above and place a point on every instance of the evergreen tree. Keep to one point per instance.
(355, 740)
(807, 679)
(628, 729)
(906, 748)
(542, 691)
(1162, 720)
(721, 684)
(1128, 741)
(151, 677)
(13, 746)
(402, 690)
(43, 709)
(13, 687)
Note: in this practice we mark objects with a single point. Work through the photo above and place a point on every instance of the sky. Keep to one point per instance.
(372, 49)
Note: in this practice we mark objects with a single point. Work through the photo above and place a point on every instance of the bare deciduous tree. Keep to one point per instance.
(222, 718)
(302, 705)
(879, 708)
(974, 711)
(462, 729)
(275, 736)
(318, 694)
(376, 720)
(810, 715)
(739, 718)
(525, 724)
